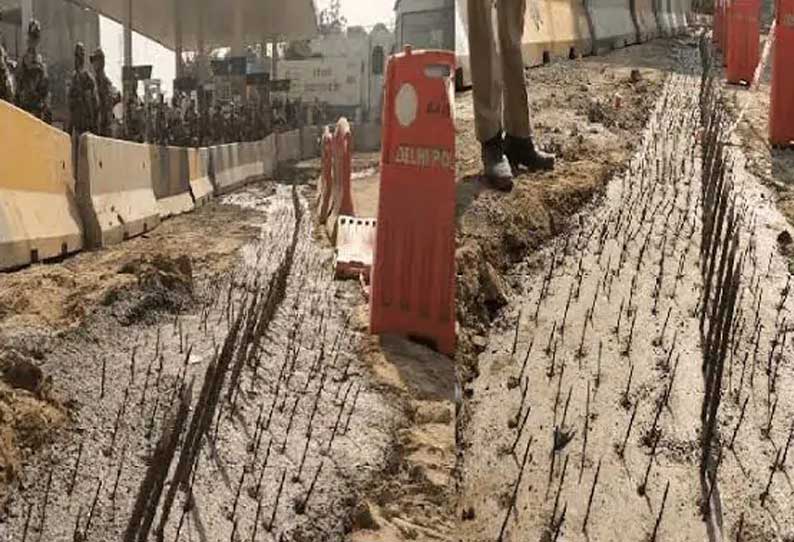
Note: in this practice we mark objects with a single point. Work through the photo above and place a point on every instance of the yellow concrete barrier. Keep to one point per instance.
(39, 218)
(114, 190)
(555, 29)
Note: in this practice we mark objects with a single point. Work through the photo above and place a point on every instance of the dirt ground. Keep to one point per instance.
(407, 444)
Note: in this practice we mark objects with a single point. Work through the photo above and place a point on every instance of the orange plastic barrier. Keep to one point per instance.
(413, 276)
(324, 186)
(744, 20)
(781, 115)
(340, 199)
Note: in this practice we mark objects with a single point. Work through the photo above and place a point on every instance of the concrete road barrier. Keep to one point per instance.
(114, 190)
(366, 137)
(310, 142)
(643, 13)
(269, 155)
(171, 179)
(672, 16)
(288, 146)
(612, 24)
(555, 29)
(234, 165)
(39, 218)
(200, 183)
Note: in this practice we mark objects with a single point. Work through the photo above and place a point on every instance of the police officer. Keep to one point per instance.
(33, 86)
(83, 100)
(107, 94)
(6, 83)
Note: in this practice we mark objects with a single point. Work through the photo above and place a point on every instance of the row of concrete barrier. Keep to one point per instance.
(121, 190)
(555, 29)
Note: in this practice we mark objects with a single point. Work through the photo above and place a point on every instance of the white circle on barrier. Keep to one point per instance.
(406, 105)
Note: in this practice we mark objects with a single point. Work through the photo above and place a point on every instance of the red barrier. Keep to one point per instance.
(781, 115)
(340, 200)
(716, 32)
(326, 179)
(725, 29)
(413, 276)
(744, 23)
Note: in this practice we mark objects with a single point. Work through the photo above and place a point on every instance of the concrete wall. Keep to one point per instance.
(39, 218)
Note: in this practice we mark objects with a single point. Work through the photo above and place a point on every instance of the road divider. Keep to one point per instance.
(555, 29)
(114, 190)
(612, 24)
(288, 145)
(413, 273)
(170, 170)
(39, 218)
(200, 182)
(643, 13)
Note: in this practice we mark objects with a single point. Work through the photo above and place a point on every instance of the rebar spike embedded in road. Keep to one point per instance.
(661, 513)
(590, 499)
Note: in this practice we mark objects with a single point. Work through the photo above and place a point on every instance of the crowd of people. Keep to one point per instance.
(181, 121)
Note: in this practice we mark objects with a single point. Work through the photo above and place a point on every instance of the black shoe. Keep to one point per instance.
(521, 151)
(496, 166)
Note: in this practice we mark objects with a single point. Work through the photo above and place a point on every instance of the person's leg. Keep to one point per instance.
(510, 17)
(486, 75)
(487, 93)
(519, 146)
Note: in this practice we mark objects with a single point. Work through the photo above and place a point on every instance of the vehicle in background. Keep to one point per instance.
(434, 24)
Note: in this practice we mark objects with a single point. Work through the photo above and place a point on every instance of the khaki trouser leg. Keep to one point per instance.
(486, 71)
(510, 16)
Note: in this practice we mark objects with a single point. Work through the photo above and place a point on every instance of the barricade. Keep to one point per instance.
(612, 24)
(340, 200)
(413, 274)
(288, 145)
(170, 171)
(366, 137)
(642, 12)
(310, 141)
(233, 165)
(678, 16)
(355, 242)
(555, 29)
(326, 177)
(781, 115)
(200, 183)
(269, 155)
(39, 218)
(114, 190)
(744, 20)
(463, 71)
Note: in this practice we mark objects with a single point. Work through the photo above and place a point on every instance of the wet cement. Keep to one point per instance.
(306, 399)
(577, 376)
